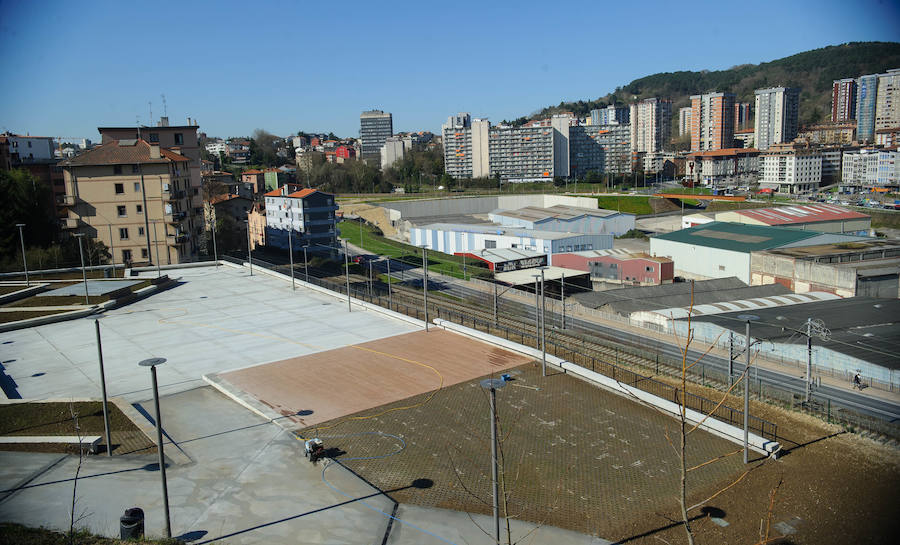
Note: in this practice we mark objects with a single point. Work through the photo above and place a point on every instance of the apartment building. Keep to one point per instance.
(723, 167)
(611, 115)
(684, 121)
(651, 125)
(599, 148)
(830, 134)
(791, 168)
(777, 116)
(308, 216)
(843, 100)
(375, 127)
(745, 138)
(741, 115)
(866, 96)
(712, 121)
(133, 196)
(868, 168)
(887, 101)
(559, 146)
(391, 151)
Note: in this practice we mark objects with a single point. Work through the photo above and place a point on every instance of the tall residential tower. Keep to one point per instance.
(712, 121)
(843, 100)
(777, 116)
(651, 124)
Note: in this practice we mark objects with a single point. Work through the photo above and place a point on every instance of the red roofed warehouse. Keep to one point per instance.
(822, 218)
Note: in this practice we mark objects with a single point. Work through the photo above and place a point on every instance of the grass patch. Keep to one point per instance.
(24, 419)
(10, 289)
(7, 317)
(23, 535)
(638, 205)
(370, 238)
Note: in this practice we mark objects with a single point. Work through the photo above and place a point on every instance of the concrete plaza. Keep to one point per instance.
(217, 319)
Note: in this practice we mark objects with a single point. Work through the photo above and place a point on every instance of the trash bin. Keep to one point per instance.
(131, 524)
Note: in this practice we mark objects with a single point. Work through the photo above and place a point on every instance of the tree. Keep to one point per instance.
(29, 201)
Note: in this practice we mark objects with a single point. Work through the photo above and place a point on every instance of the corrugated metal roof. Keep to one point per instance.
(746, 304)
(738, 237)
(526, 276)
(559, 211)
(500, 230)
(500, 255)
(800, 214)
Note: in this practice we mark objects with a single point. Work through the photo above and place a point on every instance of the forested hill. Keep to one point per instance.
(812, 71)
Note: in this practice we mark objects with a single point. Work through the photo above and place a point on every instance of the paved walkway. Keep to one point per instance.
(248, 482)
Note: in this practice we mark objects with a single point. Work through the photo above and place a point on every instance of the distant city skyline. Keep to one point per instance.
(284, 67)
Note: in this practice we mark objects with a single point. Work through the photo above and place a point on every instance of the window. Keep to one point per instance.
(490, 243)
(126, 255)
(154, 137)
(121, 211)
(649, 269)
(117, 169)
(137, 186)
(721, 267)
(140, 231)
(144, 253)
(134, 170)
(29, 143)
(120, 189)
(123, 233)
(179, 139)
(140, 208)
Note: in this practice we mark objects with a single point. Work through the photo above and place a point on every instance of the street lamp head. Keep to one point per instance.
(493, 383)
(151, 362)
(20, 225)
(78, 235)
(748, 317)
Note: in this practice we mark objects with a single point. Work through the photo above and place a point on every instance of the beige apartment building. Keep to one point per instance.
(135, 197)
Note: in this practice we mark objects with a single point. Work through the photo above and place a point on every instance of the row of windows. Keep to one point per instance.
(122, 210)
(120, 188)
(123, 232)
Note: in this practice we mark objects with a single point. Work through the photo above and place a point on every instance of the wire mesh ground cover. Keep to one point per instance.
(577, 456)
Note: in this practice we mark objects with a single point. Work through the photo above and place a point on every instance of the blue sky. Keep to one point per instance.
(282, 66)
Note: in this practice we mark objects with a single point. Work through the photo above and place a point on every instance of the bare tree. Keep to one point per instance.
(73, 520)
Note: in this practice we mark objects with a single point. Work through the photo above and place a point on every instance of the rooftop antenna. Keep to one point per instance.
(165, 110)
(150, 103)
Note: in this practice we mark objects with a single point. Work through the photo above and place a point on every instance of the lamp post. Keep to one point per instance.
(425, 282)
(390, 289)
(103, 388)
(291, 252)
(79, 236)
(748, 318)
(215, 249)
(347, 269)
(249, 251)
(493, 384)
(24, 261)
(562, 298)
(152, 363)
(156, 247)
(543, 327)
(305, 263)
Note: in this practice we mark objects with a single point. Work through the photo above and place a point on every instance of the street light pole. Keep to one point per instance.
(425, 283)
(492, 384)
(152, 363)
(249, 251)
(291, 251)
(215, 249)
(83, 272)
(543, 328)
(24, 261)
(103, 389)
(305, 263)
(390, 288)
(562, 298)
(347, 268)
(156, 247)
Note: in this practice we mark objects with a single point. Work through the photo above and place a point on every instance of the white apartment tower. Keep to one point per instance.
(684, 121)
(651, 124)
(777, 116)
(887, 103)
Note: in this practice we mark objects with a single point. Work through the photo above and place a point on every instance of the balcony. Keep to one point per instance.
(173, 195)
(175, 217)
(70, 223)
(66, 200)
(181, 239)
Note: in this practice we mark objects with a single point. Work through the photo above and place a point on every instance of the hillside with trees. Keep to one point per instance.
(812, 71)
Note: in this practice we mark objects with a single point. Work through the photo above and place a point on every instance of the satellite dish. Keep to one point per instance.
(494, 383)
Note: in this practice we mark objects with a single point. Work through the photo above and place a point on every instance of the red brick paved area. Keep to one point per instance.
(348, 380)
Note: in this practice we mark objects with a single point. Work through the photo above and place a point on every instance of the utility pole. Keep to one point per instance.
(543, 328)
(495, 304)
(562, 298)
(291, 252)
